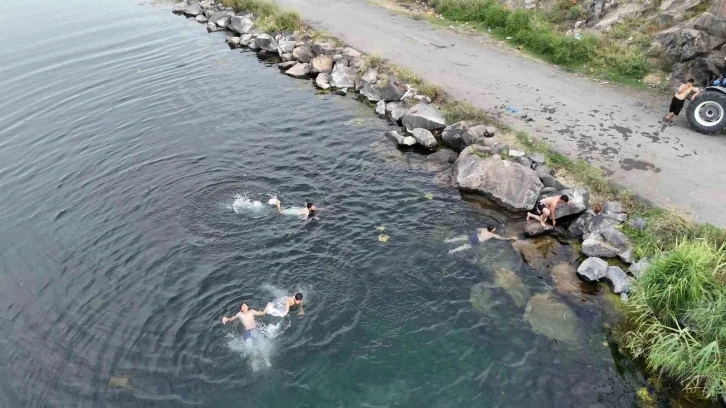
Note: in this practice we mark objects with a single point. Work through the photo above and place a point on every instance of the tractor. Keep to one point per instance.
(707, 113)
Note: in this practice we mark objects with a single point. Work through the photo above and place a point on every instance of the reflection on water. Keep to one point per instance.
(138, 155)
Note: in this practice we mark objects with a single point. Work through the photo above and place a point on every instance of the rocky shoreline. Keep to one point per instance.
(466, 154)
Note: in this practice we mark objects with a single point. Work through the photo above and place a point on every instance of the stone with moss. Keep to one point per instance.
(550, 317)
(483, 299)
(512, 285)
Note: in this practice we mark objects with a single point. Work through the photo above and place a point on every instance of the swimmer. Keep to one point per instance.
(307, 211)
(294, 301)
(482, 235)
(247, 317)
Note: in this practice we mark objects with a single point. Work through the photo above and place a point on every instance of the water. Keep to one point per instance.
(138, 154)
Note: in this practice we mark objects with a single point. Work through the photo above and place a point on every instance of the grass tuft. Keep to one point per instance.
(455, 111)
(269, 17)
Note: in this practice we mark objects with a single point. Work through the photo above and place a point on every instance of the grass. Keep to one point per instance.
(678, 312)
(269, 17)
(455, 111)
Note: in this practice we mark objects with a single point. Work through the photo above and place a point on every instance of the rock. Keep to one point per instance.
(201, 19)
(536, 251)
(462, 134)
(578, 227)
(637, 224)
(371, 92)
(537, 158)
(342, 77)
(552, 318)
(615, 238)
(395, 111)
(564, 278)
(409, 141)
(300, 70)
(211, 27)
(285, 47)
(513, 285)
(639, 268)
(287, 57)
(284, 66)
(188, 8)
(626, 255)
(324, 49)
(341, 91)
(368, 77)
(221, 18)
(516, 153)
(598, 222)
(245, 39)
(266, 43)
(241, 24)
(351, 53)
(423, 116)
(594, 245)
(618, 218)
(233, 42)
(612, 207)
(252, 45)
(524, 161)
(303, 53)
(441, 160)
(422, 99)
(542, 170)
(535, 229)
(592, 269)
(393, 90)
(381, 108)
(551, 181)
(482, 299)
(490, 131)
(579, 201)
(322, 81)
(620, 281)
(711, 24)
(509, 184)
(682, 44)
(501, 149)
(400, 139)
(321, 63)
(425, 138)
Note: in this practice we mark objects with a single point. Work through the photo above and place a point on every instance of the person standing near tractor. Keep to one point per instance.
(679, 99)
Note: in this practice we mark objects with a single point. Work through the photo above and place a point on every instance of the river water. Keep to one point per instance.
(133, 149)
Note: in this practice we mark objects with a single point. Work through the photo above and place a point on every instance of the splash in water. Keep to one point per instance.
(244, 205)
(260, 347)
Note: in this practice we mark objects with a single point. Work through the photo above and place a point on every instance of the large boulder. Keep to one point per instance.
(579, 200)
(324, 49)
(266, 43)
(615, 238)
(595, 245)
(712, 24)
(423, 116)
(592, 269)
(240, 24)
(441, 160)
(369, 77)
(299, 70)
(462, 134)
(425, 138)
(393, 90)
(552, 318)
(599, 222)
(191, 8)
(578, 227)
(395, 111)
(322, 81)
(221, 18)
(513, 285)
(509, 184)
(620, 281)
(371, 92)
(321, 63)
(342, 76)
(303, 53)
(682, 44)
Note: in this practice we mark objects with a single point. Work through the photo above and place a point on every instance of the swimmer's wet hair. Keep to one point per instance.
(308, 205)
(691, 80)
(565, 198)
(491, 227)
(298, 296)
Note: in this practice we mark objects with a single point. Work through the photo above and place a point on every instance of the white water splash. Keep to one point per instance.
(244, 205)
(260, 348)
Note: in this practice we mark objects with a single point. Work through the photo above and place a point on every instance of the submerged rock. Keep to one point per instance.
(593, 269)
(342, 77)
(425, 138)
(483, 299)
(322, 81)
(300, 70)
(536, 251)
(513, 285)
(552, 318)
(620, 281)
(441, 160)
(565, 280)
(509, 184)
(423, 116)
(240, 24)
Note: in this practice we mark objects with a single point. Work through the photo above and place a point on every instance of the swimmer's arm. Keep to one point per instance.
(226, 320)
(302, 311)
(495, 236)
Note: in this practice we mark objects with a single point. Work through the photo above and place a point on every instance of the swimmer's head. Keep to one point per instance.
(310, 207)
(565, 198)
(491, 227)
(243, 307)
(298, 298)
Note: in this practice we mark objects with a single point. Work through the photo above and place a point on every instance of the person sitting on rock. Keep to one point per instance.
(482, 235)
(546, 208)
(720, 81)
(679, 99)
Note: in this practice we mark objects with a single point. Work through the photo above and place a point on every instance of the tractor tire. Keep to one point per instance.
(707, 114)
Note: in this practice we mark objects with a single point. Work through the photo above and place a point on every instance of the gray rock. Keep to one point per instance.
(351, 53)
(595, 245)
(369, 77)
(516, 153)
(393, 90)
(396, 136)
(423, 116)
(578, 227)
(287, 57)
(285, 47)
(579, 201)
(619, 218)
(501, 149)
(681, 44)
(620, 281)
(252, 45)
(342, 77)
(371, 92)
(513, 286)
(421, 99)
(462, 134)
(303, 53)
(266, 43)
(233, 42)
(201, 19)
(626, 255)
(534, 229)
(322, 81)
(300, 70)
(425, 138)
(381, 108)
(552, 318)
(524, 161)
(639, 268)
(241, 24)
(284, 66)
(592, 269)
(551, 181)
(600, 221)
(341, 91)
(490, 131)
(321, 63)
(615, 238)
(637, 224)
(509, 184)
(188, 8)
(441, 160)
(483, 299)
(395, 111)
(245, 39)
(221, 18)
(324, 49)
(542, 170)
(409, 141)
(613, 207)
(537, 158)
(211, 27)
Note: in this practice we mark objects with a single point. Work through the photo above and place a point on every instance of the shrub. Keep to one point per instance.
(518, 21)
(496, 16)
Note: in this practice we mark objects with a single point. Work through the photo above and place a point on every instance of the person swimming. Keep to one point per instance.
(307, 211)
(247, 317)
(482, 235)
(281, 306)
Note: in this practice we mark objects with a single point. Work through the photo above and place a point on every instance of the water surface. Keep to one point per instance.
(133, 147)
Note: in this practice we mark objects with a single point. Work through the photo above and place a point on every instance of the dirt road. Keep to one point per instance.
(614, 130)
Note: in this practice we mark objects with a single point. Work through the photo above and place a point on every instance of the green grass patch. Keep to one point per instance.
(678, 312)
(455, 111)
(269, 17)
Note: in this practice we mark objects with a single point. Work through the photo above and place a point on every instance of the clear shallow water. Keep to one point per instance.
(133, 146)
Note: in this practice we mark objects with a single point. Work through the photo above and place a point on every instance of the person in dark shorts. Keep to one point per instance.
(482, 235)
(546, 209)
(247, 317)
(679, 99)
